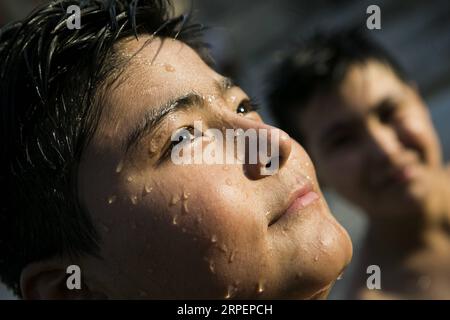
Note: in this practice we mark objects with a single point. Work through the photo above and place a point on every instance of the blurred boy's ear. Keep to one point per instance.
(49, 280)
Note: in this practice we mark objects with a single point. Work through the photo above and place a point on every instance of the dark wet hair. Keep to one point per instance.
(50, 83)
(317, 65)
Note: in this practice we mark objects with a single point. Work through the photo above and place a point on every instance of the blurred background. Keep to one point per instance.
(247, 37)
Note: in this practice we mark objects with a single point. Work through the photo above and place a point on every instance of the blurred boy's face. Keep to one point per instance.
(376, 145)
(193, 231)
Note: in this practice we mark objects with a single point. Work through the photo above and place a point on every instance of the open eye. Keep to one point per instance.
(182, 136)
(246, 106)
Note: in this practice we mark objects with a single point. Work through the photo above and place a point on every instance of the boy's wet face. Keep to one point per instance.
(376, 145)
(174, 231)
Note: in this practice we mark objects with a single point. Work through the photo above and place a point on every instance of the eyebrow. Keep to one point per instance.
(154, 116)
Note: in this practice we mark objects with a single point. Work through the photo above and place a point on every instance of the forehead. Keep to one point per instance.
(156, 71)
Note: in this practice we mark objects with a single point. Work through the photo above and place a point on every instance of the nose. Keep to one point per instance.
(265, 149)
(385, 143)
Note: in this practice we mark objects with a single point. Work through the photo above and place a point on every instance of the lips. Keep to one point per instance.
(397, 175)
(298, 200)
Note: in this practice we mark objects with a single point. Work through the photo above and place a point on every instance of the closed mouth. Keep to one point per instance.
(299, 199)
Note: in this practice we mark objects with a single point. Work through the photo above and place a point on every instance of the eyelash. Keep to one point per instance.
(250, 102)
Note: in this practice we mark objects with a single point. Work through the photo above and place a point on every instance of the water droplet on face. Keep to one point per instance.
(130, 178)
(185, 208)
(147, 189)
(231, 291)
(112, 199)
(212, 266)
(316, 258)
(214, 239)
(175, 220)
(260, 288)
(119, 166)
(228, 182)
(169, 68)
(174, 200)
(134, 200)
(210, 98)
(153, 148)
(186, 195)
(223, 248)
(231, 257)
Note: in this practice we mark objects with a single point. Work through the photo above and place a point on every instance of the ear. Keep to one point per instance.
(48, 280)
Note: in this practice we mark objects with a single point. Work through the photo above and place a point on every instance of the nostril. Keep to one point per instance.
(268, 164)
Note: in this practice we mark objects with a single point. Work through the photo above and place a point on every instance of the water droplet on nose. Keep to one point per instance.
(228, 182)
(260, 288)
(134, 200)
(112, 199)
(316, 258)
(268, 213)
(231, 258)
(147, 189)
(169, 68)
(119, 166)
(174, 200)
(214, 239)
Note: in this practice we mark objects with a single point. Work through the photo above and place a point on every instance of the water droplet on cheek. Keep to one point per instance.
(260, 287)
(316, 258)
(147, 189)
(212, 266)
(112, 199)
(134, 200)
(174, 200)
(186, 195)
(130, 179)
(175, 220)
(119, 167)
(231, 291)
(185, 208)
(231, 257)
(214, 239)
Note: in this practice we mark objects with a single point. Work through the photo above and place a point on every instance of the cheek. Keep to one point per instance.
(417, 132)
